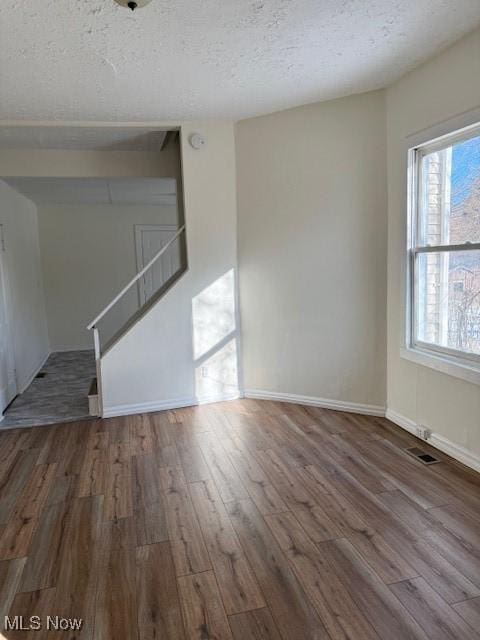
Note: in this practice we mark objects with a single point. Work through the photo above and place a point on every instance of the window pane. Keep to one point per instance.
(449, 207)
(448, 299)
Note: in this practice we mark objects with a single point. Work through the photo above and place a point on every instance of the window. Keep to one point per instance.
(444, 248)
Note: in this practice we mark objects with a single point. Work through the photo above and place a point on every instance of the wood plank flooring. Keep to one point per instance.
(237, 521)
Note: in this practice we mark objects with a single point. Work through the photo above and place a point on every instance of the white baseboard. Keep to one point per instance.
(438, 441)
(402, 421)
(164, 405)
(338, 405)
(22, 385)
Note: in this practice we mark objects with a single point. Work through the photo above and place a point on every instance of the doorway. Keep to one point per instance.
(149, 239)
(8, 380)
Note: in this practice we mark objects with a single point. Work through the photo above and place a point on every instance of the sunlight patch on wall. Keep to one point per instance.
(213, 312)
(215, 338)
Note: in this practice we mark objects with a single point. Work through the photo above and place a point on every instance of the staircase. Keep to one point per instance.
(111, 324)
(93, 400)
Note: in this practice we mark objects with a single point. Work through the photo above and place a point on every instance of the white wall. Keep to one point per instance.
(312, 250)
(26, 303)
(88, 255)
(441, 89)
(157, 363)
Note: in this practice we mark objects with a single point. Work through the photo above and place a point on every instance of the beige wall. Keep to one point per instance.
(84, 164)
(88, 255)
(184, 348)
(25, 299)
(441, 89)
(312, 250)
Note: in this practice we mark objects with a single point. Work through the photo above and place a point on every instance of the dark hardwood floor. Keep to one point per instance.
(236, 521)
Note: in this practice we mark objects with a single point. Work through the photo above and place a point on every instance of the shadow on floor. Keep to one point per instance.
(59, 396)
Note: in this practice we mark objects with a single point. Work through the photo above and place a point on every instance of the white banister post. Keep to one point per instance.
(98, 363)
(96, 342)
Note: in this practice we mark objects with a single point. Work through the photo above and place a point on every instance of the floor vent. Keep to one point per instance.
(42, 374)
(421, 455)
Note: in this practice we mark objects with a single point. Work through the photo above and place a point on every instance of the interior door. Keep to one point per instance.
(149, 240)
(8, 382)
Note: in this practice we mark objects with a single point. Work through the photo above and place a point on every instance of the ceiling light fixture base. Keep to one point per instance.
(132, 5)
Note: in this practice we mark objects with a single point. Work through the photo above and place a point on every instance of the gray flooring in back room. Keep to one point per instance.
(60, 396)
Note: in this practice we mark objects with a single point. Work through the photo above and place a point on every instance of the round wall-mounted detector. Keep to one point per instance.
(132, 5)
(197, 141)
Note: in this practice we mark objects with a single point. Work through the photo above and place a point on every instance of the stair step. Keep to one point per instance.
(93, 391)
(93, 403)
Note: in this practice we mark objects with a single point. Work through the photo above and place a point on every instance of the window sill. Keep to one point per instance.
(444, 364)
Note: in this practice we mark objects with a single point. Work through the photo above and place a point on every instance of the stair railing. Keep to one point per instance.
(93, 326)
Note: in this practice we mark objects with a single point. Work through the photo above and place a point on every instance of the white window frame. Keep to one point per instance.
(453, 362)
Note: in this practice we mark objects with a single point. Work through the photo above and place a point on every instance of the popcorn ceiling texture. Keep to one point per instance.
(183, 59)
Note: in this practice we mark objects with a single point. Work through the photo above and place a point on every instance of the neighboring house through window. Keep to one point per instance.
(444, 249)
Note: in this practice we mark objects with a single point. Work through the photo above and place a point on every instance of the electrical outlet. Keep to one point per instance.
(204, 372)
(423, 432)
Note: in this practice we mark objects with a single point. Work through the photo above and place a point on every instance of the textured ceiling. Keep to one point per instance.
(183, 59)
(121, 191)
